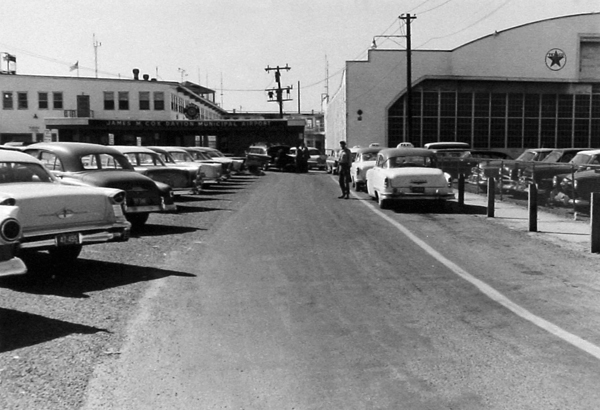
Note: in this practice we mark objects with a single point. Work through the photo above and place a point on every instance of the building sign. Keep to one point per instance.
(556, 59)
(178, 124)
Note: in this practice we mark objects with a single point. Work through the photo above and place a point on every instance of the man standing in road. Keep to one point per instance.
(344, 161)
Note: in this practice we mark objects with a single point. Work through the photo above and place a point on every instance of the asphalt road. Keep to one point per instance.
(300, 300)
(271, 293)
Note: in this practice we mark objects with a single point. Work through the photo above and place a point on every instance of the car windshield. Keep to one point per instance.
(103, 161)
(11, 172)
(554, 156)
(144, 159)
(181, 156)
(408, 161)
(369, 156)
(451, 154)
(582, 159)
(200, 155)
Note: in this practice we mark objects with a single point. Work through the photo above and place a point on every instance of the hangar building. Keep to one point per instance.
(535, 85)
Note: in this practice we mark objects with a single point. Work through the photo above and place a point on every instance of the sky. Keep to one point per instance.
(226, 45)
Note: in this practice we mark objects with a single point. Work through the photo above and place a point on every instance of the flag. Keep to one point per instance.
(10, 57)
(74, 66)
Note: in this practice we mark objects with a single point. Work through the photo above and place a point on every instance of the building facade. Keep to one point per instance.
(536, 85)
(135, 111)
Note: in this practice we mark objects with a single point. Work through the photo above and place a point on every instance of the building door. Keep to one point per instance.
(83, 106)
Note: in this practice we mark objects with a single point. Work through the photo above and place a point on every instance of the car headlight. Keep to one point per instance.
(10, 230)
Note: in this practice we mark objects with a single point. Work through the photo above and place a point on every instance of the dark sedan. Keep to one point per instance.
(78, 163)
(182, 180)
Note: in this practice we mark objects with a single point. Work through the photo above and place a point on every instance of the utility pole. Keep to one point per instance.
(96, 45)
(408, 18)
(278, 92)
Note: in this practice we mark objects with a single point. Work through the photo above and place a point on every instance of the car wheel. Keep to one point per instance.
(66, 254)
(383, 203)
(138, 220)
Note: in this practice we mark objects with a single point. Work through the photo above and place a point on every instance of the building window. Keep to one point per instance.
(159, 101)
(123, 100)
(57, 99)
(109, 100)
(22, 101)
(43, 101)
(144, 100)
(7, 100)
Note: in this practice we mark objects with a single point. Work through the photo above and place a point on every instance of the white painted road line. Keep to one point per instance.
(490, 292)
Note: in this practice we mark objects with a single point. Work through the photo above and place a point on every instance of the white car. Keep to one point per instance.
(10, 233)
(408, 174)
(363, 161)
(56, 217)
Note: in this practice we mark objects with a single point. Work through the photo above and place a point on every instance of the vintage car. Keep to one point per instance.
(257, 156)
(212, 169)
(408, 174)
(566, 192)
(559, 161)
(316, 160)
(178, 157)
(85, 164)
(235, 164)
(10, 233)
(453, 157)
(363, 161)
(56, 217)
(182, 180)
(331, 163)
(508, 170)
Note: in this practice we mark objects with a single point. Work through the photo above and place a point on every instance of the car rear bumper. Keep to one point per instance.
(417, 197)
(119, 233)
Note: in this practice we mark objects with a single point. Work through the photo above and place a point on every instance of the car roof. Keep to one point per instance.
(16, 156)
(590, 152)
(74, 148)
(369, 149)
(446, 145)
(133, 148)
(397, 152)
(171, 149)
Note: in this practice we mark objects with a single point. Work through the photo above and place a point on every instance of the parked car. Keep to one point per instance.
(364, 160)
(182, 180)
(258, 157)
(566, 192)
(408, 174)
(56, 217)
(316, 160)
(235, 164)
(10, 233)
(559, 161)
(179, 157)
(331, 163)
(508, 170)
(85, 164)
(453, 157)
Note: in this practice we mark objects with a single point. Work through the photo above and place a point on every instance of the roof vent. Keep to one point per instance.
(146, 77)
(136, 74)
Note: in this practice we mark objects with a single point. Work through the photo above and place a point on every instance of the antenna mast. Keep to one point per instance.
(96, 45)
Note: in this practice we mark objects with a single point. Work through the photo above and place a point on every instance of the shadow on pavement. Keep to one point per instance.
(20, 329)
(80, 278)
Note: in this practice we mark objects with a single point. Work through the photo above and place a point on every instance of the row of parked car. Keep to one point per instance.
(566, 176)
(60, 196)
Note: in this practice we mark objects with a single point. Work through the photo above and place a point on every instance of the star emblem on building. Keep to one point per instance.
(556, 59)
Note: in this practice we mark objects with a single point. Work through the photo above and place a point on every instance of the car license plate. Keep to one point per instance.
(66, 239)
(418, 189)
(140, 201)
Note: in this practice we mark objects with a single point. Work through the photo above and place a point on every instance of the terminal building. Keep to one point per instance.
(135, 111)
(535, 85)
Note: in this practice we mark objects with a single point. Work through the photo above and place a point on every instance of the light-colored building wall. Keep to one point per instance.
(32, 119)
(516, 57)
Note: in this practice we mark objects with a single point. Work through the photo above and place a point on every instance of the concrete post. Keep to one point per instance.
(595, 222)
(532, 207)
(491, 197)
(461, 190)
